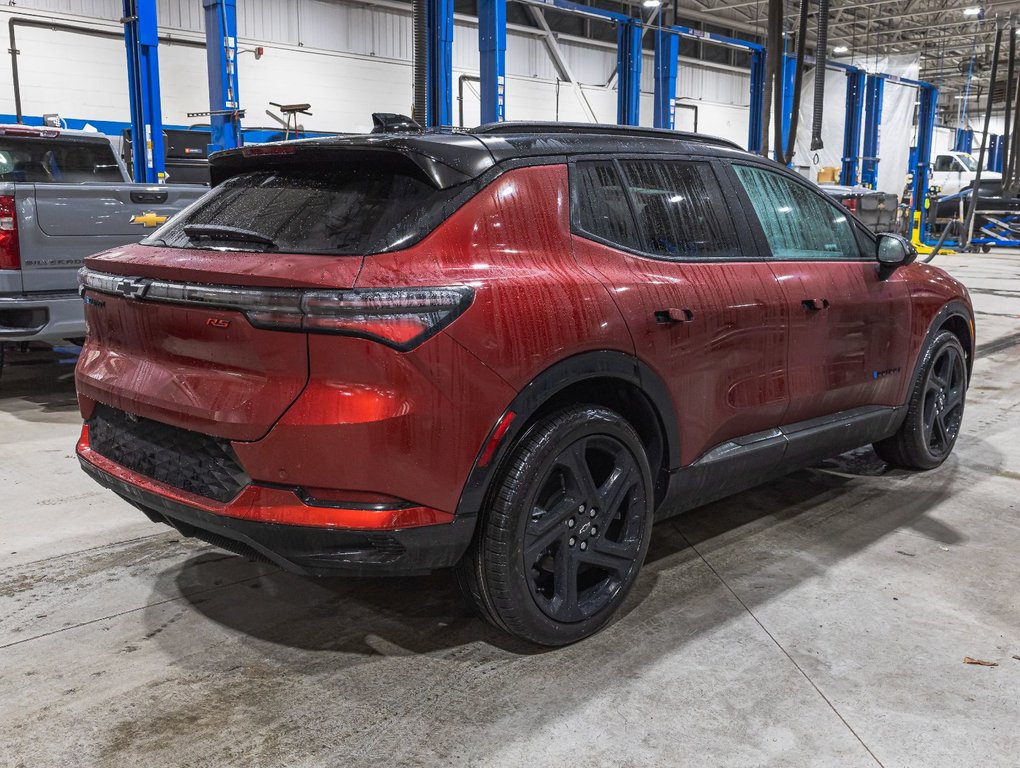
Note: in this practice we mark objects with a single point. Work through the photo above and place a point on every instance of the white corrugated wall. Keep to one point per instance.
(347, 60)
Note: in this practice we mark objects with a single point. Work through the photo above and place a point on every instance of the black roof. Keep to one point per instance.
(449, 157)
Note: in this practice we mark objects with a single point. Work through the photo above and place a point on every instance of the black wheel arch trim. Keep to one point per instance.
(954, 308)
(546, 385)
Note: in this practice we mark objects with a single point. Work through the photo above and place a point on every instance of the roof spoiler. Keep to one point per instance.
(392, 122)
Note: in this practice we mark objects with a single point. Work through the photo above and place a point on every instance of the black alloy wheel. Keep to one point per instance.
(934, 415)
(944, 390)
(586, 528)
(566, 528)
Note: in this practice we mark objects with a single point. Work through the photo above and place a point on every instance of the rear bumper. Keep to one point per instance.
(301, 549)
(41, 317)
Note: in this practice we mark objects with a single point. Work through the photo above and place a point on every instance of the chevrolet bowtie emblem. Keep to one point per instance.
(149, 219)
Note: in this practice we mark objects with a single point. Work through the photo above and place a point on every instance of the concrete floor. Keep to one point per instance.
(819, 620)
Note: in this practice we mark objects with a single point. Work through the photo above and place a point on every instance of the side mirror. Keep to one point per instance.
(895, 251)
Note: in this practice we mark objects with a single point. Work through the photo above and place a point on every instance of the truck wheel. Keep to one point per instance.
(935, 410)
(566, 528)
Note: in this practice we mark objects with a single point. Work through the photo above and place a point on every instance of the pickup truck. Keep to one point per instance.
(65, 195)
(954, 171)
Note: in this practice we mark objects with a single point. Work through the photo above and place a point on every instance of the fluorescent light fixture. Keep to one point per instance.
(971, 11)
(840, 49)
(652, 3)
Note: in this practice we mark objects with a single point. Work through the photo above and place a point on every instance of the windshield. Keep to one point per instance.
(356, 210)
(58, 161)
(969, 162)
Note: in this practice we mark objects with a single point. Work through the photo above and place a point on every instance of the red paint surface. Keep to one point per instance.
(335, 412)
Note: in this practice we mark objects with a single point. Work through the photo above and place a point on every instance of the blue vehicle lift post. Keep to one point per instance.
(874, 92)
(964, 140)
(667, 53)
(855, 86)
(141, 38)
(628, 67)
(925, 133)
(789, 79)
(995, 153)
(439, 63)
(221, 55)
(665, 79)
(492, 59)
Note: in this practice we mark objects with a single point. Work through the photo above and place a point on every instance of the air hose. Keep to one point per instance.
(821, 54)
(419, 65)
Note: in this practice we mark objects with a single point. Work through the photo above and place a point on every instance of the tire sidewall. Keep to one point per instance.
(919, 445)
(537, 456)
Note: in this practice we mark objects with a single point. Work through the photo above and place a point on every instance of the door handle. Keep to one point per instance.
(816, 304)
(149, 197)
(669, 316)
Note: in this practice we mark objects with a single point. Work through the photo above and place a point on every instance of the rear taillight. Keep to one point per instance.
(10, 249)
(400, 317)
(850, 203)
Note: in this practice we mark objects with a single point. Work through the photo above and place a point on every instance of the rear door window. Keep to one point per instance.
(798, 222)
(680, 210)
(58, 161)
(601, 204)
(356, 211)
(668, 209)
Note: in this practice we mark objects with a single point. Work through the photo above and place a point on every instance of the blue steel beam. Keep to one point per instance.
(221, 57)
(141, 39)
(628, 88)
(852, 126)
(995, 144)
(439, 63)
(874, 93)
(667, 51)
(789, 81)
(492, 59)
(964, 140)
(925, 133)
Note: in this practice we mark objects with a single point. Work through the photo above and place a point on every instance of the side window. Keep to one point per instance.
(799, 223)
(680, 209)
(601, 207)
(944, 163)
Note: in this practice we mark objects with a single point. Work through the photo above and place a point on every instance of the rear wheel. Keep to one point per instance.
(566, 530)
(935, 410)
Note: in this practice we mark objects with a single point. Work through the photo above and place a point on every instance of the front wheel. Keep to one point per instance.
(566, 530)
(935, 409)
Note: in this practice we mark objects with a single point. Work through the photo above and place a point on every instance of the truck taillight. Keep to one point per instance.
(850, 203)
(10, 249)
(399, 317)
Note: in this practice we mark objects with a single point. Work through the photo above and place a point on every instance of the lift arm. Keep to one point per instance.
(221, 54)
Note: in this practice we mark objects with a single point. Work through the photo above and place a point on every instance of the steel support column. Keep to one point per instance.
(995, 144)
(754, 124)
(141, 38)
(964, 140)
(628, 89)
(874, 92)
(667, 51)
(852, 129)
(439, 63)
(492, 59)
(929, 95)
(789, 79)
(221, 57)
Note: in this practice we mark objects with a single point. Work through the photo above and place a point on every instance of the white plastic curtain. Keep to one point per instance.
(896, 131)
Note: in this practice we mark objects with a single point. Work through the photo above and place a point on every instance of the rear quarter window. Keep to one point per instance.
(355, 210)
(58, 161)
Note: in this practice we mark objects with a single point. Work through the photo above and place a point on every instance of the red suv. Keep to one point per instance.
(509, 350)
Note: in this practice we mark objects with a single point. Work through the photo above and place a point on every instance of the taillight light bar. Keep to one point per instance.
(10, 247)
(399, 317)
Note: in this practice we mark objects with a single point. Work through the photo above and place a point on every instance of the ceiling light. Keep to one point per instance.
(972, 11)
(652, 3)
(840, 49)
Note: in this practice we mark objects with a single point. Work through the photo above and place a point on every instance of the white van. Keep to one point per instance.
(953, 171)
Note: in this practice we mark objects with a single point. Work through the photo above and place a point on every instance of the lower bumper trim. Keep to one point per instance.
(303, 549)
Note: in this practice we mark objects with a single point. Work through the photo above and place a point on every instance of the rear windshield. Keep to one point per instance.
(57, 161)
(356, 211)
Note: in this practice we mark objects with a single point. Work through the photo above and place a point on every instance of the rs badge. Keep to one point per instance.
(149, 219)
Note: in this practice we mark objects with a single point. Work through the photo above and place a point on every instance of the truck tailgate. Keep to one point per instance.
(61, 224)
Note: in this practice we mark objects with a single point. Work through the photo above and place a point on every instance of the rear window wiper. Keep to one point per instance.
(224, 232)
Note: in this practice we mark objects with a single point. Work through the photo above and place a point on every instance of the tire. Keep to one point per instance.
(934, 411)
(565, 530)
